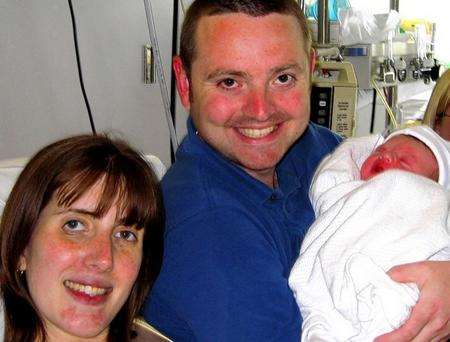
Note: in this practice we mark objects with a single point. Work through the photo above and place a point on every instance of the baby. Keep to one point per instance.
(370, 216)
(403, 152)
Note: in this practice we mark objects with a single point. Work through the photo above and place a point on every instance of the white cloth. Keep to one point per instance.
(11, 168)
(362, 230)
(437, 145)
(9, 171)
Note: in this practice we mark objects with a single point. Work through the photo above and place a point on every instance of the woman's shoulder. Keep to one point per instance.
(146, 333)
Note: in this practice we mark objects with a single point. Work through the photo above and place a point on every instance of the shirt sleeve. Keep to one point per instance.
(223, 280)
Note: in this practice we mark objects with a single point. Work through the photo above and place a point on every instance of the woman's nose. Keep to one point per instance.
(99, 254)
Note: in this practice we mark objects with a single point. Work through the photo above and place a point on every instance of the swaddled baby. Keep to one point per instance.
(370, 216)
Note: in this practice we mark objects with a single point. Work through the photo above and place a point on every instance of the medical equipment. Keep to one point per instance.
(384, 50)
(333, 96)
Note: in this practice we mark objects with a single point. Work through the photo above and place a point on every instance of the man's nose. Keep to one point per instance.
(99, 253)
(258, 104)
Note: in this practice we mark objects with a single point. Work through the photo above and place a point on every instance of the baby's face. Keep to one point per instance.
(401, 152)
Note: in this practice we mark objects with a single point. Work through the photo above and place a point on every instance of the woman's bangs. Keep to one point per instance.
(130, 188)
(136, 201)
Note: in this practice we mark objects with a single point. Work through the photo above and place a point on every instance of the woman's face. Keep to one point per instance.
(80, 268)
(442, 125)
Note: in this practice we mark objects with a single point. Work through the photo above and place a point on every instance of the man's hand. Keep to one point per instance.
(430, 317)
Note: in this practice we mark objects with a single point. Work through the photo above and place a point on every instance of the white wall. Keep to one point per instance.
(375, 7)
(431, 10)
(435, 11)
(40, 94)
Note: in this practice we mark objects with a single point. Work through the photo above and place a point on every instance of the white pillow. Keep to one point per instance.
(11, 168)
(9, 171)
(157, 165)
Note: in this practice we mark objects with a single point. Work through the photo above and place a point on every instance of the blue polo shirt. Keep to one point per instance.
(231, 242)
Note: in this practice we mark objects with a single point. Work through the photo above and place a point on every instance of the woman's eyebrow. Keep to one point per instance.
(78, 211)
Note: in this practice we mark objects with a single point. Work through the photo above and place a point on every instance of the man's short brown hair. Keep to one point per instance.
(254, 8)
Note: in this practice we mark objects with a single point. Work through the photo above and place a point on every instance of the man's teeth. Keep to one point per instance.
(87, 289)
(257, 133)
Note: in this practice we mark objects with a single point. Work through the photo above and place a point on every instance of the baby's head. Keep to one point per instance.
(403, 152)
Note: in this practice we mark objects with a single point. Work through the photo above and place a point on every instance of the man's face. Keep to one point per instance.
(249, 89)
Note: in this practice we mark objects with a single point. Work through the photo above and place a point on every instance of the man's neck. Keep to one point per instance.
(268, 177)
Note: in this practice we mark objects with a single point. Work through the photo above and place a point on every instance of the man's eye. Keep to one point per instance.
(74, 225)
(126, 235)
(228, 83)
(285, 78)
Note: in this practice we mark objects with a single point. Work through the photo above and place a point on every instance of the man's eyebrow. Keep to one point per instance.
(282, 68)
(230, 73)
(220, 73)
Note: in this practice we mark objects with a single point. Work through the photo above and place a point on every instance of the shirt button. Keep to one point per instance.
(273, 197)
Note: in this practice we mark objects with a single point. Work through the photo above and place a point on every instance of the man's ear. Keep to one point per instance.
(312, 61)
(183, 85)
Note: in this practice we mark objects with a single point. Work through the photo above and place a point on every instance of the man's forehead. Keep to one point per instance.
(223, 22)
(242, 30)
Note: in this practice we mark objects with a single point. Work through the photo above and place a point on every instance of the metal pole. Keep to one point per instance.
(395, 5)
(323, 23)
(392, 92)
(160, 72)
(301, 3)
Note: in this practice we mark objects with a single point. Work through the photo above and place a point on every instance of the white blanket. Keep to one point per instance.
(362, 230)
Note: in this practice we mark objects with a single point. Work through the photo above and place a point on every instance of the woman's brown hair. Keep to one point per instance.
(439, 100)
(67, 169)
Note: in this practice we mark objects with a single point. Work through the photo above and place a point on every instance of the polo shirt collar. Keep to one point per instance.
(288, 175)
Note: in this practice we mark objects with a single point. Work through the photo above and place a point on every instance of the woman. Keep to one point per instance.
(437, 115)
(81, 242)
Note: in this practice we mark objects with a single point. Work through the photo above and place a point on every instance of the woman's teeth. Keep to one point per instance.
(257, 133)
(87, 289)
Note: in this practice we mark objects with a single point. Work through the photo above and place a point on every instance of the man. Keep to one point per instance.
(236, 198)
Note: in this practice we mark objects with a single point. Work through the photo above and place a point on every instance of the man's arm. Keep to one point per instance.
(223, 278)
(430, 318)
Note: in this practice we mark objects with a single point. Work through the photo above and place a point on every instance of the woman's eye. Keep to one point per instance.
(228, 83)
(126, 235)
(284, 79)
(74, 225)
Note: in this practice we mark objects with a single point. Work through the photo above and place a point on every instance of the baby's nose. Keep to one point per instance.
(387, 160)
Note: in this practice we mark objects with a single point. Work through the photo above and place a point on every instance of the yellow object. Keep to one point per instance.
(386, 105)
(145, 332)
(408, 25)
